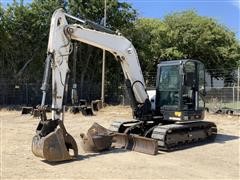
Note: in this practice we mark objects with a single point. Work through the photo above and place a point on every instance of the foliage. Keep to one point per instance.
(204, 39)
(24, 32)
(120, 16)
(186, 35)
(3, 35)
(148, 38)
(24, 36)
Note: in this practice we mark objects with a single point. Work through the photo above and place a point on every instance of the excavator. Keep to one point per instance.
(164, 118)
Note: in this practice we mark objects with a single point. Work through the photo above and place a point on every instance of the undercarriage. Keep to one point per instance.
(170, 135)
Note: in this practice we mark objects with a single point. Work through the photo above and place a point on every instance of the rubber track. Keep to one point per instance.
(172, 136)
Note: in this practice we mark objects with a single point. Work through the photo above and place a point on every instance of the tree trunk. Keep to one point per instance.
(211, 80)
(84, 69)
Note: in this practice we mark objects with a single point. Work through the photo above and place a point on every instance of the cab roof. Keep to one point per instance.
(178, 62)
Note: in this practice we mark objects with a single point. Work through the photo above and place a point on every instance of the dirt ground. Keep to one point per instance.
(218, 160)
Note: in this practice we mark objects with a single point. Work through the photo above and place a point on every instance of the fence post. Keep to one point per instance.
(238, 88)
(233, 96)
(26, 88)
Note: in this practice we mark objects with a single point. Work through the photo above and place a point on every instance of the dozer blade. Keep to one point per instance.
(135, 143)
(55, 145)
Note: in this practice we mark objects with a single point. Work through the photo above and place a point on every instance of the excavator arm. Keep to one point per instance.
(62, 33)
(51, 134)
(59, 47)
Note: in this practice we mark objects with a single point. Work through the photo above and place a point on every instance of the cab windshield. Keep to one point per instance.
(168, 85)
(169, 78)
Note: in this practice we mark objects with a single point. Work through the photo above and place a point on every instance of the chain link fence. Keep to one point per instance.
(222, 88)
(30, 94)
(222, 91)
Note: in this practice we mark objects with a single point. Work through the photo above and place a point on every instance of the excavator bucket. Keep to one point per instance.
(99, 138)
(55, 145)
(120, 140)
(86, 111)
(27, 110)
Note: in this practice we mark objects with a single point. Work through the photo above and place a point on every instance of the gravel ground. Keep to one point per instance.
(217, 160)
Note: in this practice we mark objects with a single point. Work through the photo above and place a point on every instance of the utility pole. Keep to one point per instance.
(74, 94)
(104, 53)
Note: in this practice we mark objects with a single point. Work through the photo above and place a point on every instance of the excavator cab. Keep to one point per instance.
(179, 89)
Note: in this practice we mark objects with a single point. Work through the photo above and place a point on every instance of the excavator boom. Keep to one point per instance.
(52, 142)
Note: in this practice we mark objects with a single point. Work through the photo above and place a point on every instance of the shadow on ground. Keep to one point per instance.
(220, 138)
(86, 156)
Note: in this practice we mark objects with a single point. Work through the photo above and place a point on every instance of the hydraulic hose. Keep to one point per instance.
(46, 77)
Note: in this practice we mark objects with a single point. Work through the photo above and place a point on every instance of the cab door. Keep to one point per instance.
(193, 86)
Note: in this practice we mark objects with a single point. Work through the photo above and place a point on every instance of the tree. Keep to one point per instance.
(26, 30)
(2, 39)
(120, 16)
(24, 35)
(203, 38)
(148, 39)
(2, 32)
(14, 27)
(186, 35)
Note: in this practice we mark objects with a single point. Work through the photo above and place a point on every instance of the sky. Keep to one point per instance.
(226, 12)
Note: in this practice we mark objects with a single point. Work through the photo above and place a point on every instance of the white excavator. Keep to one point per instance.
(170, 117)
